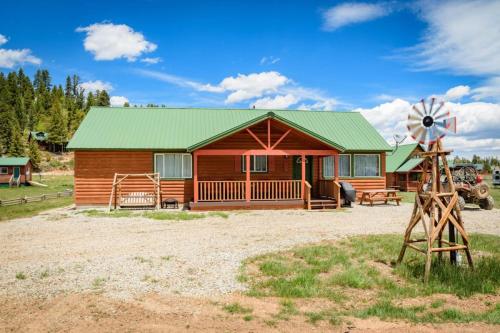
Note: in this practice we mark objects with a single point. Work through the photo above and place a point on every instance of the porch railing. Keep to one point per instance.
(276, 189)
(329, 188)
(221, 190)
(235, 190)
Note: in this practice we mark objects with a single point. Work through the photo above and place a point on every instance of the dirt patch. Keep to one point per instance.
(90, 312)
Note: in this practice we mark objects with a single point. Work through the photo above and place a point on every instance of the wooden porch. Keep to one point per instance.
(220, 182)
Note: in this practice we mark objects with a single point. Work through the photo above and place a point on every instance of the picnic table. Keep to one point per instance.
(379, 195)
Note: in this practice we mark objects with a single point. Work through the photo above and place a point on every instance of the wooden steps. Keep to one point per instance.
(324, 203)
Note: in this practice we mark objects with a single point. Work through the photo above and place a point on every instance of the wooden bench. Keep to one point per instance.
(384, 195)
(137, 200)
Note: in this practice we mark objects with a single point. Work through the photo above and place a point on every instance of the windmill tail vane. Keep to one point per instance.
(428, 122)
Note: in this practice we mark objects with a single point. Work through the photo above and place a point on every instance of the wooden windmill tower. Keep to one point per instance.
(436, 202)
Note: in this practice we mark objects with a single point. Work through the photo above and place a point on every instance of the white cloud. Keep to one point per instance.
(351, 13)
(271, 60)
(477, 125)
(118, 100)
(244, 87)
(108, 41)
(276, 102)
(151, 61)
(457, 92)
(10, 58)
(265, 89)
(96, 85)
(490, 89)
(462, 36)
(180, 81)
(3, 39)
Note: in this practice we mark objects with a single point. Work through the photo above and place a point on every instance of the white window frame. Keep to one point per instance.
(350, 166)
(2, 172)
(243, 164)
(379, 166)
(190, 176)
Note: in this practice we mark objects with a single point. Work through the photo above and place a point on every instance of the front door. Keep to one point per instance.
(297, 168)
(17, 171)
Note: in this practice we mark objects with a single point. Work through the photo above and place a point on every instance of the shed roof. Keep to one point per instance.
(189, 129)
(410, 164)
(14, 161)
(39, 136)
(399, 156)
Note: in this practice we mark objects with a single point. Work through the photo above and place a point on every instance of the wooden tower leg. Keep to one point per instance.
(407, 235)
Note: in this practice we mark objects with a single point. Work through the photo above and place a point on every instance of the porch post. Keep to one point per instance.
(407, 181)
(303, 165)
(195, 176)
(247, 184)
(336, 167)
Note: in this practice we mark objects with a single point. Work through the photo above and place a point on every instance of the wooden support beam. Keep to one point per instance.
(303, 168)
(256, 138)
(247, 184)
(269, 133)
(195, 176)
(281, 138)
(273, 152)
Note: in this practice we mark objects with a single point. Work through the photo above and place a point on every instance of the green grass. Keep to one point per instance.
(154, 215)
(32, 209)
(236, 308)
(55, 184)
(20, 276)
(335, 271)
(494, 191)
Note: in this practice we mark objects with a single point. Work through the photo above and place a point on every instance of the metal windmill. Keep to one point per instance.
(436, 206)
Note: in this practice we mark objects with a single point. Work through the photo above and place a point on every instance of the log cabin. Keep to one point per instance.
(227, 158)
(15, 170)
(404, 167)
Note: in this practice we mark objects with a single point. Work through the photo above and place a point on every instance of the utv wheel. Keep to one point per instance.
(481, 191)
(461, 203)
(487, 203)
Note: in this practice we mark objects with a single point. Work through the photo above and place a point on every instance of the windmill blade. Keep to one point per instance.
(423, 106)
(412, 127)
(419, 134)
(441, 104)
(414, 118)
(414, 107)
(433, 99)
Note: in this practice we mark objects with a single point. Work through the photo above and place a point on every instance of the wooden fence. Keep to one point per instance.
(43, 197)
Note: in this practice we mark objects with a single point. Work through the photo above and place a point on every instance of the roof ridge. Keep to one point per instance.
(217, 109)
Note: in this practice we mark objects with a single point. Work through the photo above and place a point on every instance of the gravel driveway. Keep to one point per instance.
(66, 251)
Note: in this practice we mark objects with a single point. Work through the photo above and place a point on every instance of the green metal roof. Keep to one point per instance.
(14, 161)
(410, 164)
(395, 159)
(39, 136)
(189, 129)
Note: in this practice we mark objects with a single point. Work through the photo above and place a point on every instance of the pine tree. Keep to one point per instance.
(68, 93)
(58, 132)
(34, 154)
(126, 104)
(16, 146)
(103, 98)
(90, 101)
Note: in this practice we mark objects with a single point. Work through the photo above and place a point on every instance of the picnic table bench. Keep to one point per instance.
(379, 195)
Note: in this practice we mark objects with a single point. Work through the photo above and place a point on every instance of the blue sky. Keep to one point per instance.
(374, 57)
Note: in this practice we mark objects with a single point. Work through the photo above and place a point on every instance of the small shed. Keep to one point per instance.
(15, 170)
(403, 167)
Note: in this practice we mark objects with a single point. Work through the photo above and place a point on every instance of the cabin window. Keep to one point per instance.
(177, 166)
(344, 166)
(258, 163)
(4, 170)
(367, 165)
